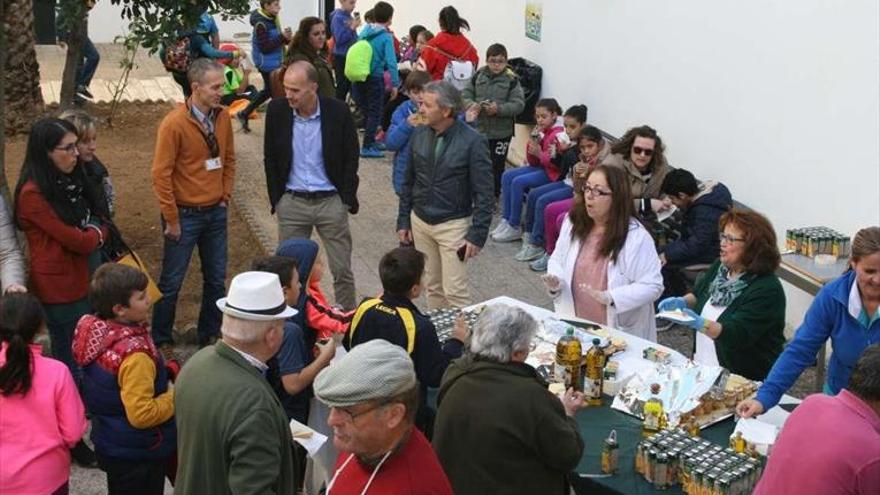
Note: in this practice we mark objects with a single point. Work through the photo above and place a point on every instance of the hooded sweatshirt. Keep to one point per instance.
(384, 56)
(699, 231)
(486, 407)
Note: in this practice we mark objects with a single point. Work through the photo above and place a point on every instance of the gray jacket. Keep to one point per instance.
(503, 89)
(11, 260)
(456, 184)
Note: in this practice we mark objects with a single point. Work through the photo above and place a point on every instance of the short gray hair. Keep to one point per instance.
(201, 66)
(502, 330)
(448, 96)
(246, 331)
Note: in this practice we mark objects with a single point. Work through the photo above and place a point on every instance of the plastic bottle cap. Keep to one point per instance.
(596, 342)
(569, 331)
(655, 388)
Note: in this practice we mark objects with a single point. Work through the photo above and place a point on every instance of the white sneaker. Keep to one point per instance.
(509, 234)
(540, 264)
(498, 228)
(529, 252)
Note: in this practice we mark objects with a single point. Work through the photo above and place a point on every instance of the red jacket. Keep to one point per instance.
(59, 253)
(453, 44)
(549, 155)
(324, 319)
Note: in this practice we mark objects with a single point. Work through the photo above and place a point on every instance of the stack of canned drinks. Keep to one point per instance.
(810, 241)
(701, 467)
(444, 320)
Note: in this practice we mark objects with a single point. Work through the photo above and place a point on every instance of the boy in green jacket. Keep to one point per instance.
(494, 97)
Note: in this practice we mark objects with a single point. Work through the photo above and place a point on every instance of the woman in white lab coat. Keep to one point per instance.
(605, 267)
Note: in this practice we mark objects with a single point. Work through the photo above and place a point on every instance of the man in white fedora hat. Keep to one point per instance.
(233, 433)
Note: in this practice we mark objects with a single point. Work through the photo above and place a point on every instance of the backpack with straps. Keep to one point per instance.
(359, 58)
(458, 71)
(406, 316)
(177, 56)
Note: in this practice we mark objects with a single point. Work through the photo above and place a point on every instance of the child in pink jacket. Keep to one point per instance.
(42, 414)
(543, 168)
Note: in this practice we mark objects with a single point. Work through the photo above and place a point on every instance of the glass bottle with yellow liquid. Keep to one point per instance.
(593, 376)
(568, 361)
(655, 418)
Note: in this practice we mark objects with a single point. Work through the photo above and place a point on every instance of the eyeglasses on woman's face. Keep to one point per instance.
(638, 150)
(589, 190)
(69, 148)
(729, 239)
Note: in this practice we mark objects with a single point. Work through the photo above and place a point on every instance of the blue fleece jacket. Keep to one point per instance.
(699, 233)
(828, 316)
(397, 139)
(384, 57)
(343, 35)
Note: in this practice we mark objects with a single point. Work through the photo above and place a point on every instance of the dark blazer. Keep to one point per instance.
(340, 143)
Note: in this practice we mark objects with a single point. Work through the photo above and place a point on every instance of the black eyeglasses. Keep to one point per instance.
(729, 239)
(638, 150)
(594, 191)
(70, 148)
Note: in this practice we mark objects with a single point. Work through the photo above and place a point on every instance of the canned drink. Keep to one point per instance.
(661, 472)
(610, 453)
(640, 458)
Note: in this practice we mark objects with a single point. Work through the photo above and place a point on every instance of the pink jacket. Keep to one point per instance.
(38, 429)
(549, 159)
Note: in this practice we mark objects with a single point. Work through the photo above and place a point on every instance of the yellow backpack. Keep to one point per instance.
(409, 322)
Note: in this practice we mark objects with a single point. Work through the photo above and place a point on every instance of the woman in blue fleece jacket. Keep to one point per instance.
(848, 311)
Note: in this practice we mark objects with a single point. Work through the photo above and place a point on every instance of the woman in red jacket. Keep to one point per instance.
(58, 210)
(447, 45)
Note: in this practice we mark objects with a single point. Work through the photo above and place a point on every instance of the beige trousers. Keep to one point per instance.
(446, 278)
(329, 216)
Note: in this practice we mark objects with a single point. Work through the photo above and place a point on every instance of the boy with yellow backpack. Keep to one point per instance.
(394, 317)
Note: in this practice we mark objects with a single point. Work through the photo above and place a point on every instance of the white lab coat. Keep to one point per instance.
(634, 281)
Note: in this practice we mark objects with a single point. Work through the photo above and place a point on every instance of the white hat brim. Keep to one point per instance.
(244, 315)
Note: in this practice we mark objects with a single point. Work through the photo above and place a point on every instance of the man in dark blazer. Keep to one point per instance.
(311, 161)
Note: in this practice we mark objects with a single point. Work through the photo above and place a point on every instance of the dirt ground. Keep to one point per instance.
(126, 149)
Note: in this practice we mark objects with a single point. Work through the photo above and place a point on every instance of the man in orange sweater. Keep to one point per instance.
(193, 173)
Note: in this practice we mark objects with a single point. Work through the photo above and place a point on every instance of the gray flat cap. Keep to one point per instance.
(373, 370)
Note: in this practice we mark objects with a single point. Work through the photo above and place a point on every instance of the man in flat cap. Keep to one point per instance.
(233, 435)
(372, 394)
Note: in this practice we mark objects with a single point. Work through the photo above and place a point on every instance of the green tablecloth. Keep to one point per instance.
(596, 423)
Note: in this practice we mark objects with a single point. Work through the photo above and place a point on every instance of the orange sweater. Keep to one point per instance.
(180, 177)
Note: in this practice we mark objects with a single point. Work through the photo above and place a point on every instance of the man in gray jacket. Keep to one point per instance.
(447, 197)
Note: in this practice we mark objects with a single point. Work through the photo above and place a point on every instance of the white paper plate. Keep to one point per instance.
(674, 316)
(665, 214)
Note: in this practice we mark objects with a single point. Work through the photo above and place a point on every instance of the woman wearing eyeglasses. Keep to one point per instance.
(57, 208)
(640, 152)
(605, 268)
(738, 307)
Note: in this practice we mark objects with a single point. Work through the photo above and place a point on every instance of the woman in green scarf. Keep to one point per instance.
(738, 306)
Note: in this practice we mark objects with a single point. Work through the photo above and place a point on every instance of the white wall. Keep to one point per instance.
(105, 21)
(779, 100)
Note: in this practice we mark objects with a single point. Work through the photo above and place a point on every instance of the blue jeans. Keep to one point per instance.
(514, 183)
(537, 201)
(207, 230)
(88, 65)
(372, 95)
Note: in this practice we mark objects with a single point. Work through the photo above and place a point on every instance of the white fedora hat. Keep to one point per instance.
(256, 296)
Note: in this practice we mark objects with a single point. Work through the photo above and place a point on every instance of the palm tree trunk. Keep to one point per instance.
(22, 97)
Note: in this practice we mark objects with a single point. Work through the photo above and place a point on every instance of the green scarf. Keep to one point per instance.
(723, 290)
